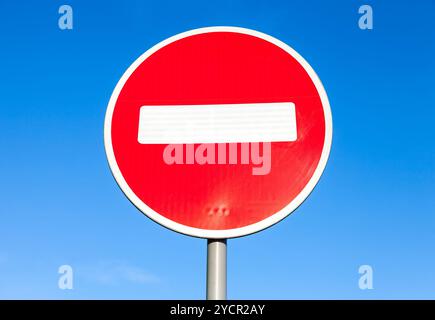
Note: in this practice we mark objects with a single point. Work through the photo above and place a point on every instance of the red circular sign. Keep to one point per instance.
(218, 132)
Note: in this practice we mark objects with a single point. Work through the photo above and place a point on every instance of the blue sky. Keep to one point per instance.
(60, 205)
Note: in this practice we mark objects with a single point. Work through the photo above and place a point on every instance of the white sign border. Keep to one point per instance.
(228, 233)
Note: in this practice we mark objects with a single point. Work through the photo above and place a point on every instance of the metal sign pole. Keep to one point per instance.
(216, 269)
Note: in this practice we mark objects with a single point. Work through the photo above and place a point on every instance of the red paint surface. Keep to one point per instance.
(218, 68)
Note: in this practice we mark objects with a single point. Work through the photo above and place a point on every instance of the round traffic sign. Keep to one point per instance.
(218, 132)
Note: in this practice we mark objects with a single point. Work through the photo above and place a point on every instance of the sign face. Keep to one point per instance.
(218, 132)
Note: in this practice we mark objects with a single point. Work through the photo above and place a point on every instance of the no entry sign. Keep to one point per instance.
(218, 132)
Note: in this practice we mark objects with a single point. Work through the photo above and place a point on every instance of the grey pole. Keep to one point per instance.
(216, 269)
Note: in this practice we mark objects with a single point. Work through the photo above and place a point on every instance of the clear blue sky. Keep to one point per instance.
(375, 203)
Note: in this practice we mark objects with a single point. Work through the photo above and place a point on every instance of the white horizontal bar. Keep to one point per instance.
(217, 123)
